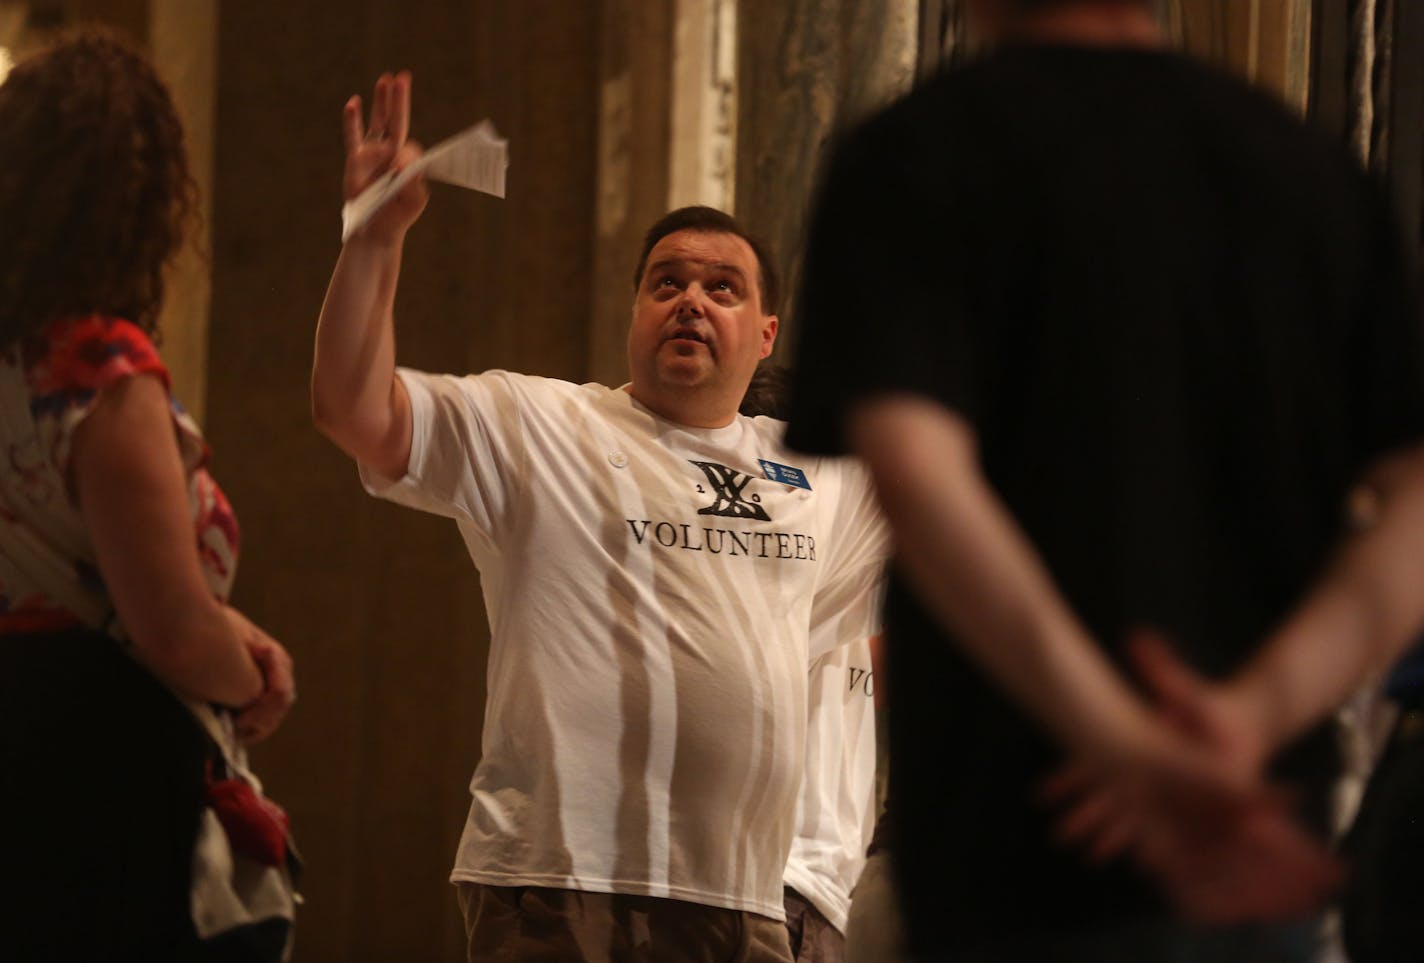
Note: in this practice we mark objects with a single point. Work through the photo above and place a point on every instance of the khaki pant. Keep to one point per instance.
(875, 932)
(814, 939)
(527, 924)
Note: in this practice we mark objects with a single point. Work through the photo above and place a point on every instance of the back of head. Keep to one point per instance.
(1033, 6)
(94, 188)
(999, 17)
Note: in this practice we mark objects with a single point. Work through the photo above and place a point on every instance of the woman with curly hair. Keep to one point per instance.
(117, 549)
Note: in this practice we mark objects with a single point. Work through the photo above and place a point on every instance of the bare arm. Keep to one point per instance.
(357, 401)
(1357, 619)
(128, 475)
(976, 571)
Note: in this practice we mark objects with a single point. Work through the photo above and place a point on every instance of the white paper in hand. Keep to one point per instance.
(475, 158)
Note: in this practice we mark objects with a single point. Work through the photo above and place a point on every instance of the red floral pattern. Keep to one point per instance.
(48, 384)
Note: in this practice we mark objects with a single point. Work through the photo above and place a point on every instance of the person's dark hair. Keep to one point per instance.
(709, 220)
(95, 192)
(768, 392)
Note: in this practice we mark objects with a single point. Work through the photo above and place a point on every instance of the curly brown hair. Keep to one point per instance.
(95, 193)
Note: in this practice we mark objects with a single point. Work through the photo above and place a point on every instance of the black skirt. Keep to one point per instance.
(102, 773)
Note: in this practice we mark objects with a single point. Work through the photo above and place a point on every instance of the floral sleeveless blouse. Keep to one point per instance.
(49, 382)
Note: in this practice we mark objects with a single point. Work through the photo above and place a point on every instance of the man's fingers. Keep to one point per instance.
(409, 152)
(1167, 676)
(380, 108)
(400, 108)
(351, 130)
(1114, 840)
(1092, 817)
(1258, 865)
(1068, 782)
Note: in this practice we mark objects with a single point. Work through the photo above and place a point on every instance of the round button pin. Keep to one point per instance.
(617, 459)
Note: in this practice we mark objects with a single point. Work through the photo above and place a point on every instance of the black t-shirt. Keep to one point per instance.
(1180, 323)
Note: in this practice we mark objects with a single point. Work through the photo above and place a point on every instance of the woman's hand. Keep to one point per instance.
(380, 149)
(260, 718)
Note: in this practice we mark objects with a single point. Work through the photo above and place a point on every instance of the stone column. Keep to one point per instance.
(807, 68)
(702, 159)
(1266, 41)
(183, 39)
(634, 130)
(666, 138)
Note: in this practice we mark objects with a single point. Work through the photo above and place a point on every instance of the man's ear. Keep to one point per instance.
(769, 325)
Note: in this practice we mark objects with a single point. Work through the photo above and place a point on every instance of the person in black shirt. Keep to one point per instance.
(1117, 336)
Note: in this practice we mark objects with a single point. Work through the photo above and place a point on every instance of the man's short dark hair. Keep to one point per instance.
(709, 220)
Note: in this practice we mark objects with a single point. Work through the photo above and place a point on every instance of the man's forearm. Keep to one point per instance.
(974, 569)
(354, 368)
(1357, 620)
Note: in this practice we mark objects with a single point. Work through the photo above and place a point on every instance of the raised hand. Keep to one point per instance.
(380, 148)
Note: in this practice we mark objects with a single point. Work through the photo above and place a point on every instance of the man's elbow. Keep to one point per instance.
(375, 442)
(325, 415)
(340, 419)
(341, 425)
(1393, 479)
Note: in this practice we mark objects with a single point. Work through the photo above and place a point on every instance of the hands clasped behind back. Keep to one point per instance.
(1197, 814)
(380, 148)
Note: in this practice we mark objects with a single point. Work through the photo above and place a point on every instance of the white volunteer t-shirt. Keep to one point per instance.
(651, 594)
(835, 810)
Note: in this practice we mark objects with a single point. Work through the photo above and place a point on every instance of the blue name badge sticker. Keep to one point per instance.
(784, 474)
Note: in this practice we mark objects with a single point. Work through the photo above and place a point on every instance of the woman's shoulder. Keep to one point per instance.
(83, 354)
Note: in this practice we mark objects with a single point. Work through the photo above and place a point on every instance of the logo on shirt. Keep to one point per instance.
(784, 474)
(728, 486)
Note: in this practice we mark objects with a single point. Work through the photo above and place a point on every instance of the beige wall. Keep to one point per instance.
(182, 37)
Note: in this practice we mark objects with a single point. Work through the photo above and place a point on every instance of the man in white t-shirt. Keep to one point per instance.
(656, 569)
(835, 810)
(836, 806)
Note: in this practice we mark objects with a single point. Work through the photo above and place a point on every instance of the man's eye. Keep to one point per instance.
(666, 283)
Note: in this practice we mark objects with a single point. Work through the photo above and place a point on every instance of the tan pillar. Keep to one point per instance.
(667, 139)
(807, 68)
(1265, 41)
(634, 131)
(183, 38)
